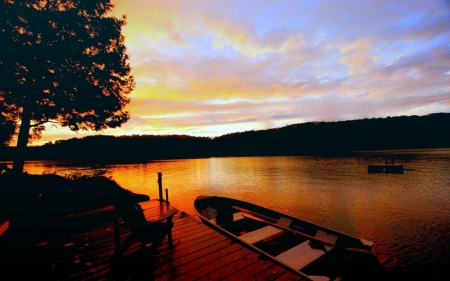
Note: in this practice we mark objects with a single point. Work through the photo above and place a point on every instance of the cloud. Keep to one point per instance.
(212, 67)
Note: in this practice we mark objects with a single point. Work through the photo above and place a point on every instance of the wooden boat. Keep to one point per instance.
(388, 169)
(312, 251)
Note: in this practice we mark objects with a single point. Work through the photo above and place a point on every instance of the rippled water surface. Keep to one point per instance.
(407, 215)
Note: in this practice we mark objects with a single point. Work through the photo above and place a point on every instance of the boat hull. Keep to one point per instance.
(307, 249)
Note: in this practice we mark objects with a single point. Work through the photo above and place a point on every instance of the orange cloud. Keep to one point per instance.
(358, 56)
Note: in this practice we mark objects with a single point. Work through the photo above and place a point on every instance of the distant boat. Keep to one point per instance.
(388, 168)
(309, 250)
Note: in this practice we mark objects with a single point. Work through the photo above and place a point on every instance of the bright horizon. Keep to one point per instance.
(208, 68)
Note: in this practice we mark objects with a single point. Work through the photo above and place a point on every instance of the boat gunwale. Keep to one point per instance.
(333, 231)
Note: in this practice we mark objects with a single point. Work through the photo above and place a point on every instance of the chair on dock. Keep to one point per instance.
(131, 216)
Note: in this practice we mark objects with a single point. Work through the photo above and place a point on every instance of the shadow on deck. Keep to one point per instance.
(83, 251)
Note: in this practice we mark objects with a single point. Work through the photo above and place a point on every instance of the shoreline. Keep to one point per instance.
(37, 200)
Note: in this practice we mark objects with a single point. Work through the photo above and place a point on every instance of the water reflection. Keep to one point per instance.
(408, 214)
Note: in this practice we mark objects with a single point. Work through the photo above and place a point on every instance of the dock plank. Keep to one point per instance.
(211, 262)
(233, 266)
(270, 273)
(250, 271)
(189, 257)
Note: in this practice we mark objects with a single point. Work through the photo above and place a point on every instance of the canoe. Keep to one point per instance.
(309, 250)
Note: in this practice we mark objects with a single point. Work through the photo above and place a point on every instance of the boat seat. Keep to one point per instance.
(284, 221)
(303, 254)
(211, 214)
(261, 234)
(238, 216)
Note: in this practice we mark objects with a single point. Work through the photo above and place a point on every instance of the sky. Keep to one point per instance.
(208, 68)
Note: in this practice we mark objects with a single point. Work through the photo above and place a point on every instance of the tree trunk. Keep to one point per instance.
(22, 141)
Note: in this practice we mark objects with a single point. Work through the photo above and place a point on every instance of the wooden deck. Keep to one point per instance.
(198, 253)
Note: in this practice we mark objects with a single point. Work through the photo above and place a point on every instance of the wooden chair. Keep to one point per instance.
(130, 215)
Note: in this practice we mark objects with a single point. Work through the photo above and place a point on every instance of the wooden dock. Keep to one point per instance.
(84, 253)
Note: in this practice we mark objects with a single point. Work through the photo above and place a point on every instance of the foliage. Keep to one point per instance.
(65, 62)
(7, 125)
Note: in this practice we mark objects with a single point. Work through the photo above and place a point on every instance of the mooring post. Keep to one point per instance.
(160, 186)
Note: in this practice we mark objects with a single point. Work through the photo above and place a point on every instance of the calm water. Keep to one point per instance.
(407, 215)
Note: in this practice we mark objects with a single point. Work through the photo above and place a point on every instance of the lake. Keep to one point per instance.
(407, 215)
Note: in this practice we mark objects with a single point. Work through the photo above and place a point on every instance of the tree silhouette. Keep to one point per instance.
(62, 61)
(7, 124)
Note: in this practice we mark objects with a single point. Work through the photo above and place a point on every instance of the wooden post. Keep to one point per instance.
(167, 196)
(160, 186)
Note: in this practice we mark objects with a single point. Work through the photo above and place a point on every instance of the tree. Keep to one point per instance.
(62, 61)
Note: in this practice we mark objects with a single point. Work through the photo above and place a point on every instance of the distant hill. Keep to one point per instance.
(312, 138)
(429, 131)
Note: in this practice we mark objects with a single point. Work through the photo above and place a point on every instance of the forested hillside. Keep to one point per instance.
(312, 138)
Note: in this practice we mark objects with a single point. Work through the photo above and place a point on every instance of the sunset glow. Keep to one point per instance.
(207, 68)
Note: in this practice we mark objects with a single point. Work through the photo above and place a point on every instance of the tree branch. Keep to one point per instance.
(43, 122)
